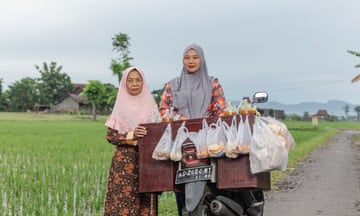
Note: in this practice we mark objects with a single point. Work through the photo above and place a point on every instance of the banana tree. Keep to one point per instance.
(357, 77)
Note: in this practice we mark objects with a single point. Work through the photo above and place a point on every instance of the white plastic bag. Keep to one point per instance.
(230, 132)
(163, 147)
(266, 152)
(215, 139)
(243, 138)
(181, 136)
(281, 132)
(200, 141)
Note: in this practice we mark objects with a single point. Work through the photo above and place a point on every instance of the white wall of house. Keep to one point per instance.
(68, 104)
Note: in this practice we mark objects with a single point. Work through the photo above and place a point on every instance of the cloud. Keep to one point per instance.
(294, 49)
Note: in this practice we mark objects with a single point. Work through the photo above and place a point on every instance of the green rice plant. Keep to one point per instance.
(53, 167)
(167, 204)
(58, 164)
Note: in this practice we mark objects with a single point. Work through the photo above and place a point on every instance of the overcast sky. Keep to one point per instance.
(295, 50)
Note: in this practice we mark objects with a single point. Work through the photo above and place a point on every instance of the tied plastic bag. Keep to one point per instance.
(281, 131)
(163, 147)
(181, 136)
(243, 138)
(230, 132)
(155, 116)
(266, 152)
(200, 141)
(215, 139)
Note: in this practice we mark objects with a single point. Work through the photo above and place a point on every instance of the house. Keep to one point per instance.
(73, 102)
(322, 114)
(78, 88)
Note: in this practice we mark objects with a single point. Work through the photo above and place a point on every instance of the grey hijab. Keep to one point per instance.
(192, 91)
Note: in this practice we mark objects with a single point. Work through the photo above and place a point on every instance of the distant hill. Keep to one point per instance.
(333, 107)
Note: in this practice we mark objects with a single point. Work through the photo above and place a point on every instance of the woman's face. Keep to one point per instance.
(134, 83)
(191, 61)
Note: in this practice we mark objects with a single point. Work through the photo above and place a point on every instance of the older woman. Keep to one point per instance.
(134, 105)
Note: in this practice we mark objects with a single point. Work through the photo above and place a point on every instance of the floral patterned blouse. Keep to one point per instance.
(216, 107)
(122, 195)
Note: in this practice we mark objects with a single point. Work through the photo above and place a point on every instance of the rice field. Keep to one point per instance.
(53, 167)
(58, 164)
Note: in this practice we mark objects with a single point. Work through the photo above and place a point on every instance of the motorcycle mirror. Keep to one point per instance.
(260, 97)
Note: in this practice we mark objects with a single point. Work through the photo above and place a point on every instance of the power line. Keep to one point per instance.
(315, 84)
(295, 85)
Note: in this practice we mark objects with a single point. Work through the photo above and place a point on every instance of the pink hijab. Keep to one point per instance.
(130, 111)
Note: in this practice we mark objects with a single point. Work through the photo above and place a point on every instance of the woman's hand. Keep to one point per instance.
(140, 131)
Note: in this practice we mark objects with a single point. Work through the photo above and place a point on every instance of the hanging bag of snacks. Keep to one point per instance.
(163, 147)
(215, 139)
(230, 132)
(181, 136)
(243, 138)
(266, 152)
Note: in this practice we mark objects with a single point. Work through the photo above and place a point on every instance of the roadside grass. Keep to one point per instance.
(56, 164)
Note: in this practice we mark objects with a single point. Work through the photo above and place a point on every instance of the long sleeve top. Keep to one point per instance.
(216, 107)
(118, 139)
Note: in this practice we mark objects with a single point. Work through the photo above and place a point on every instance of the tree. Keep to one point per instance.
(357, 77)
(53, 84)
(355, 54)
(306, 116)
(121, 44)
(108, 99)
(346, 109)
(94, 91)
(157, 94)
(357, 110)
(110, 95)
(23, 94)
(2, 98)
(1, 84)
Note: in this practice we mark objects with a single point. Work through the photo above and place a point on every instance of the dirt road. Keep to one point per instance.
(326, 183)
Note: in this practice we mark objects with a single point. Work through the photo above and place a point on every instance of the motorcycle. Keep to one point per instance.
(209, 186)
(197, 180)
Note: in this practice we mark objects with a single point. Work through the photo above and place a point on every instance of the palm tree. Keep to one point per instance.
(53, 84)
(357, 110)
(355, 54)
(51, 68)
(346, 109)
(357, 77)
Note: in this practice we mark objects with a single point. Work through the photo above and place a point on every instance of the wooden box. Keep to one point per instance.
(155, 175)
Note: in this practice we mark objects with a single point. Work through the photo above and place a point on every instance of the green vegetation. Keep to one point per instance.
(58, 164)
(53, 167)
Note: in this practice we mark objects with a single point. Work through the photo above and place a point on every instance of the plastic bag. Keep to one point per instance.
(168, 115)
(243, 138)
(266, 152)
(281, 131)
(230, 132)
(155, 116)
(215, 139)
(200, 141)
(163, 147)
(181, 136)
